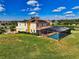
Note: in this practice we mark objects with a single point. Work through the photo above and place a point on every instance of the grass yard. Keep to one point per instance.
(25, 46)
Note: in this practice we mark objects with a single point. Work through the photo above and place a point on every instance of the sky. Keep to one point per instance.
(45, 9)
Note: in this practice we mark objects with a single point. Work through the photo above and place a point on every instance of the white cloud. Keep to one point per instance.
(59, 9)
(32, 2)
(35, 6)
(1, 4)
(76, 7)
(38, 5)
(33, 13)
(60, 17)
(2, 8)
(69, 12)
(26, 9)
(56, 10)
(34, 9)
(70, 15)
(31, 9)
(37, 9)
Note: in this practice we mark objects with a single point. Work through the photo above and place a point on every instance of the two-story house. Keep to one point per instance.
(42, 27)
(34, 25)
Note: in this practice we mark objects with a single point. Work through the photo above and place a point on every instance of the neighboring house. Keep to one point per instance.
(33, 25)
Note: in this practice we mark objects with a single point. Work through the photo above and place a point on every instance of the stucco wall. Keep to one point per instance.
(33, 28)
(22, 26)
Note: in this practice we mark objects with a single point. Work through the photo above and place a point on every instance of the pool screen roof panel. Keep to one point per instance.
(59, 29)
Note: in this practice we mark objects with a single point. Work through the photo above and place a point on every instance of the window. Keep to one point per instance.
(19, 24)
(25, 24)
(34, 31)
(42, 24)
(31, 30)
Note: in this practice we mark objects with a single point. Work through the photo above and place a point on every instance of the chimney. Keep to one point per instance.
(35, 18)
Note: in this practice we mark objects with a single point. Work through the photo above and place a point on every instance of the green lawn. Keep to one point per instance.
(25, 46)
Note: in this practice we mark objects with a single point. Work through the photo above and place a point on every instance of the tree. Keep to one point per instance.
(2, 29)
(56, 23)
(12, 27)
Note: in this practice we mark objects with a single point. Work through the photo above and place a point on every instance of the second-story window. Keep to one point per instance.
(19, 24)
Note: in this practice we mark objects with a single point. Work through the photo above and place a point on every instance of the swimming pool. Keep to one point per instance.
(61, 32)
(55, 36)
(58, 36)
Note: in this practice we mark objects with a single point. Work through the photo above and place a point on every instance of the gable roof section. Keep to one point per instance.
(37, 20)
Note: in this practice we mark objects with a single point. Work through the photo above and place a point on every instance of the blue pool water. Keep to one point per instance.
(57, 36)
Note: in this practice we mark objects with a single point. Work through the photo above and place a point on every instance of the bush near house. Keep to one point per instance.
(4, 26)
(12, 27)
(2, 29)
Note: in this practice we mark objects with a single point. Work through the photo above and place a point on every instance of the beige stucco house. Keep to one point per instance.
(34, 25)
